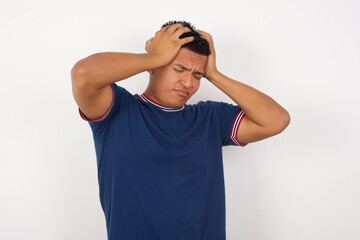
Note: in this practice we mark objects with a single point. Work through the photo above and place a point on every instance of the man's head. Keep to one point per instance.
(199, 45)
(172, 85)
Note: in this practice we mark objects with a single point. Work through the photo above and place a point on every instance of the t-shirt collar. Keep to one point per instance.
(166, 109)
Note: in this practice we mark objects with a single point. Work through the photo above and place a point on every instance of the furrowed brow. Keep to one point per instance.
(183, 67)
(188, 69)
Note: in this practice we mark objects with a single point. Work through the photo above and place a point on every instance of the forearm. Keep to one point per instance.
(258, 107)
(102, 69)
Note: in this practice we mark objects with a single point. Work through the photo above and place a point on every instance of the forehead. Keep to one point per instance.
(190, 59)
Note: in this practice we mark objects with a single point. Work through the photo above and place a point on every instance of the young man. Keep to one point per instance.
(160, 160)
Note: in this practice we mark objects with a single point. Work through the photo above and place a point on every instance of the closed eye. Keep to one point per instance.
(198, 76)
(178, 69)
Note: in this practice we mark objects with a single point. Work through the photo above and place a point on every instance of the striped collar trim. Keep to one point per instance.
(165, 109)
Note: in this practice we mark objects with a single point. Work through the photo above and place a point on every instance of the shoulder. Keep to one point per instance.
(123, 96)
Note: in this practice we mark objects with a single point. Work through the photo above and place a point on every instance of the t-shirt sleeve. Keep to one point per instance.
(101, 126)
(119, 95)
(103, 116)
(230, 120)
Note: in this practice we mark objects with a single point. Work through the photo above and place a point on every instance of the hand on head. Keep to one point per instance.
(210, 69)
(166, 42)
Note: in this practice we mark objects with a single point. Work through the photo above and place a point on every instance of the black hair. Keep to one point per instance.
(199, 45)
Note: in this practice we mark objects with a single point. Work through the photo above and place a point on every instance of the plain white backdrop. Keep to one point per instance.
(301, 184)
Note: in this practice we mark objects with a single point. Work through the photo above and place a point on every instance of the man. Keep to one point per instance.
(159, 159)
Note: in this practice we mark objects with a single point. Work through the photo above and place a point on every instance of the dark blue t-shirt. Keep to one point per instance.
(160, 169)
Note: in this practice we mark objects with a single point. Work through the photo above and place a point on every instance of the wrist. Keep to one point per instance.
(152, 61)
(155, 60)
(213, 76)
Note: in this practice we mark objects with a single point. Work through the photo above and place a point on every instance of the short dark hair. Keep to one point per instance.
(199, 45)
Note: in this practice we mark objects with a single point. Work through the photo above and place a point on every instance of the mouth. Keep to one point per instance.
(182, 93)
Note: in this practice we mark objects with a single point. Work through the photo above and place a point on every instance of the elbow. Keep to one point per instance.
(282, 122)
(79, 75)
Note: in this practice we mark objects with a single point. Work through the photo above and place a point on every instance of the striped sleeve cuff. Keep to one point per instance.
(102, 117)
(235, 127)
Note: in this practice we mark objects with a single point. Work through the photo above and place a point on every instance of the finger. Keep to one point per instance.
(147, 44)
(180, 31)
(149, 41)
(203, 32)
(186, 40)
(205, 35)
(174, 27)
(164, 28)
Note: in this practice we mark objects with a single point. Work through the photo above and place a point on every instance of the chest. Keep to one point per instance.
(164, 140)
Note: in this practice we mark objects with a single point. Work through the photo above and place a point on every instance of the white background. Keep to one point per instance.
(301, 184)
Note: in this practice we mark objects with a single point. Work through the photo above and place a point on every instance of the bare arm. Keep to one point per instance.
(93, 75)
(264, 117)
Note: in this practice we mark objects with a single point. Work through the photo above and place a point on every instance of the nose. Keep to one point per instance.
(187, 80)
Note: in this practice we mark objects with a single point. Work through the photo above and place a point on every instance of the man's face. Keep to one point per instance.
(172, 85)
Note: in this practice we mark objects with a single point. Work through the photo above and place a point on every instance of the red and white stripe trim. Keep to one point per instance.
(102, 117)
(235, 127)
(166, 109)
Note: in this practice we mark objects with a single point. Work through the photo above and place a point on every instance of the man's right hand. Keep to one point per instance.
(166, 43)
(93, 75)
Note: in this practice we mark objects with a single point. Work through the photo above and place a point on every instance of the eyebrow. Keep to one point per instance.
(188, 69)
